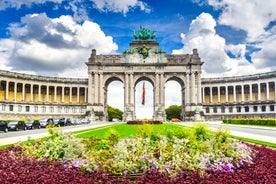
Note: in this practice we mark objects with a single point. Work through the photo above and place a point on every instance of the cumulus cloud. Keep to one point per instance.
(252, 16)
(4, 4)
(56, 46)
(120, 6)
(213, 50)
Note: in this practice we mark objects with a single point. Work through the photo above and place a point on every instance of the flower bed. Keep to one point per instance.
(14, 169)
(195, 155)
(144, 122)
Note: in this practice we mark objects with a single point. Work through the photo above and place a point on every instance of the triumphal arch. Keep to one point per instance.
(144, 60)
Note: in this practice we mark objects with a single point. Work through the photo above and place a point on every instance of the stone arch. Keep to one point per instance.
(181, 82)
(144, 77)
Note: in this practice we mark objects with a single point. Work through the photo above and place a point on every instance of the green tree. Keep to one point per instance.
(114, 113)
(174, 111)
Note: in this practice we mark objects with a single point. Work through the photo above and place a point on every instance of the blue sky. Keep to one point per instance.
(55, 37)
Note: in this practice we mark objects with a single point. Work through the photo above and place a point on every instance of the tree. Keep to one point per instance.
(174, 111)
(114, 113)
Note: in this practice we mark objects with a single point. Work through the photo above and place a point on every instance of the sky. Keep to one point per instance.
(55, 37)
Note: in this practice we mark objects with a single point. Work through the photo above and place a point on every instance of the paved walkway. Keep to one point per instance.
(243, 134)
(12, 140)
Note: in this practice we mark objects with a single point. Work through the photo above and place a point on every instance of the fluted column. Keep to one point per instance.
(85, 95)
(193, 87)
(39, 93)
(162, 88)
(70, 94)
(55, 94)
(7, 91)
(157, 90)
(78, 94)
(32, 93)
(250, 92)
(218, 94)
(242, 92)
(203, 95)
(15, 92)
(126, 95)
(101, 88)
(96, 88)
(187, 89)
(199, 100)
(47, 93)
(226, 94)
(132, 92)
(211, 94)
(62, 94)
(267, 91)
(259, 91)
(234, 93)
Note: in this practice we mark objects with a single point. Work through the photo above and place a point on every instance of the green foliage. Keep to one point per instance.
(174, 111)
(113, 136)
(201, 131)
(251, 121)
(114, 113)
(145, 130)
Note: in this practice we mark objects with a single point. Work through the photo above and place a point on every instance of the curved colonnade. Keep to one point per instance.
(23, 95)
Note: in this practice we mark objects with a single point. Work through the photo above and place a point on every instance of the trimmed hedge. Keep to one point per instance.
(251, 121)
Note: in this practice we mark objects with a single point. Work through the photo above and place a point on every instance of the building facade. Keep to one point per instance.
(27, 96)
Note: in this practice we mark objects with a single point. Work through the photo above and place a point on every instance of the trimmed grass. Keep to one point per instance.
(255, 141)
(127, 131)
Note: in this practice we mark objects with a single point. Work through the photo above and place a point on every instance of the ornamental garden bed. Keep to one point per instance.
(140, 122)
(172, 154)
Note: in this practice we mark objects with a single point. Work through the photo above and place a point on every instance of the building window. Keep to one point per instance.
(66, 109)
(27, 108)
(215, 110)
(255, 108)
(35, 108)
(11, 107)
(43, 109)
(263, 108)
(74, 109)
(230, 109)
(51, 109)
(222, 109)
(59, 109)
(238, 109)
(271, 107)
(207, 110)
(19, 108)
(3, 107)
(81, 110)
(246, 109)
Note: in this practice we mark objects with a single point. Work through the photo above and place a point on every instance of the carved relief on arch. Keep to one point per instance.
(177, 78)
(150, 78)
(114, 77)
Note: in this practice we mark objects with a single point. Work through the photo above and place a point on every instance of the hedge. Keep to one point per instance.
(251, 121)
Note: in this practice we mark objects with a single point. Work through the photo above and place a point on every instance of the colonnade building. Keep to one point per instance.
(28, 96)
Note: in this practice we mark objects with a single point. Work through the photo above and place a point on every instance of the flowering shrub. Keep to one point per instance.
(182, 157)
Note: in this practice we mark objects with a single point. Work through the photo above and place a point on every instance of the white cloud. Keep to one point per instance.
(57, 46)
(212, 49)
(4, 4)
(252, 16)
(120, 6)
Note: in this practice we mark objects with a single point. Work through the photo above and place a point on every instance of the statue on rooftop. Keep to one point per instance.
(144, 34)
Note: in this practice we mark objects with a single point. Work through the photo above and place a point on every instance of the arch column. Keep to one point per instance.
(129, 92)
(226, 94)
(199, 99)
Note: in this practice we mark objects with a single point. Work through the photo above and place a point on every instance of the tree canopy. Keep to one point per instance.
(174, 111)
(114, 113)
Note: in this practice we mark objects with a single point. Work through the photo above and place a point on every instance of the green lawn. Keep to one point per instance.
(126, 130)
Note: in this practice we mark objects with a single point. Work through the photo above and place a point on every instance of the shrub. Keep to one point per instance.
(113, 136)
(145, 130)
